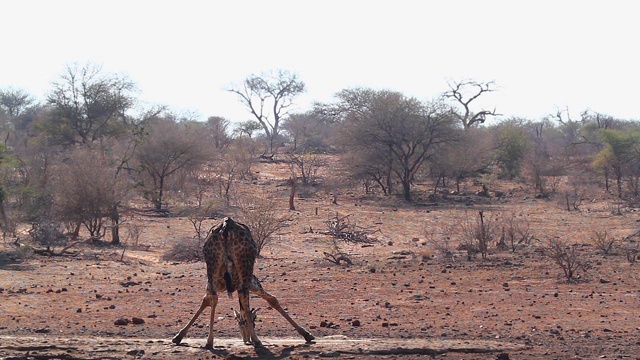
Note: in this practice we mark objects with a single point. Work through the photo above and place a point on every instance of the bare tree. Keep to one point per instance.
(268, 97)
(464, 93)
(305, 164)
(234, 164)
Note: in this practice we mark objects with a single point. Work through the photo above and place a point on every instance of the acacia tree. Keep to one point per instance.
(406, 130)
(247, 128)
(15, 101)
(87, 104)
(464, 93)
(268, 98)
(218, 127)
(621, 154)
(467, 155)
(169, 147)
(511, 144)
(309, 131)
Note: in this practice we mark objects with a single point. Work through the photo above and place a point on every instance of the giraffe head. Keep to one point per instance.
(243, 324)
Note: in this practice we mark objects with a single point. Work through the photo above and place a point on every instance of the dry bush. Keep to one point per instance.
(133, 234)
(632, 254)
(442, 245)
(631, 248)
(264, 217)
(185, 250)
(516, 232)
(197, 216)
(477, 234)
(305, 165)
(47, 233)
(564, 255)
(603, 241)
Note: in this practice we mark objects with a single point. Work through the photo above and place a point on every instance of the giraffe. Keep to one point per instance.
(230, 253)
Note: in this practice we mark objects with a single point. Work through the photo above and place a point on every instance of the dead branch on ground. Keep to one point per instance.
(340, 227)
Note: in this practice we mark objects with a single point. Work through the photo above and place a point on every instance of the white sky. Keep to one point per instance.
(543, 55)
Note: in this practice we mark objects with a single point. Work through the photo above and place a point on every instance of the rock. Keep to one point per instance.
(137, 321)
(355, 322)
(121, 321)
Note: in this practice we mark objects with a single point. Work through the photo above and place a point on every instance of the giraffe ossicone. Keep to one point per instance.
(230, 254)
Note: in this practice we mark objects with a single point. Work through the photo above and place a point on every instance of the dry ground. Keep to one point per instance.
(400, 298)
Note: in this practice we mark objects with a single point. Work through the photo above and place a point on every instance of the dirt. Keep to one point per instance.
(400, 298)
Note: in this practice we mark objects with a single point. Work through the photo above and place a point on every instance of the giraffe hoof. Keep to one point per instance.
(209, 346)
(309, 338)
(177, 339)
(258, 345)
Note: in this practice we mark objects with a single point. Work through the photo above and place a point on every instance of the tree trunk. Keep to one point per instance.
(160, 194)
(76, 230)
(292, 195)
(435, 187)
(406, 189)
(115, 226)
(5, 221)
(619, 182)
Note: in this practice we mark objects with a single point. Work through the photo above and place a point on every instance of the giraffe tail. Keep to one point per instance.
(229, 284)
(228, 281)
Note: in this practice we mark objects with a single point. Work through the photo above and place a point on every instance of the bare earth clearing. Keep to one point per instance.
(393, 302)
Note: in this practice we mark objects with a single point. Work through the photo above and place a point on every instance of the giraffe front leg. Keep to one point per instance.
(214, 303)
(256, 287)
(206, 301)
(245, 308)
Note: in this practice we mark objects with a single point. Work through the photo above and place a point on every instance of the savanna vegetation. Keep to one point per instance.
(89, 153)
(415, 194)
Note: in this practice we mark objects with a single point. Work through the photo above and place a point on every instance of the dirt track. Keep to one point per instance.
(110, 348)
